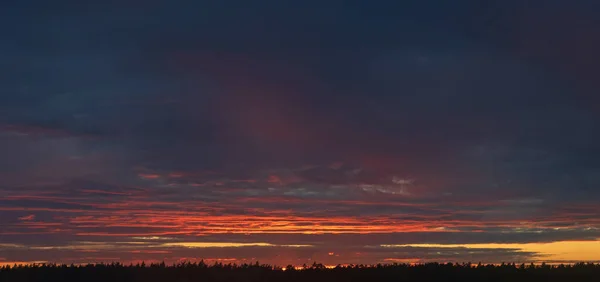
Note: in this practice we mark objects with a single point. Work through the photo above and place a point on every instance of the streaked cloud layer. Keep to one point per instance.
(337, 132)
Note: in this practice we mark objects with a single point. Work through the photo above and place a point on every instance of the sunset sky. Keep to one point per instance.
(297, 131)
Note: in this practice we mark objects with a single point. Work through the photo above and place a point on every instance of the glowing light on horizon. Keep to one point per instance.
(554, 251)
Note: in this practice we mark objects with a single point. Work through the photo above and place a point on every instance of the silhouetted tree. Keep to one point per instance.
(317, 272)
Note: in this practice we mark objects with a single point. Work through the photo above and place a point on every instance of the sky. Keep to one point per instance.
(288, 132)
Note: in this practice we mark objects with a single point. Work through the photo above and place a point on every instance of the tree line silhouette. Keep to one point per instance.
(200, 271)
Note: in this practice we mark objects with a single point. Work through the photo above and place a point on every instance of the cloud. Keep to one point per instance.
(27, 217)
(384, 189)
(148, 176)
(225, 245)
(401, 181)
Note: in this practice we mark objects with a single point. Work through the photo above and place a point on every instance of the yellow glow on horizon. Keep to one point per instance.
(553, 251)
(12, 263)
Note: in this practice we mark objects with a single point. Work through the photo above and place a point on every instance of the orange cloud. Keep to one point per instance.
(149, 176)
(27, 217)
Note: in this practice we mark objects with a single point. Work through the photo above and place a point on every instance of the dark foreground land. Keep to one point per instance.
(314, 273)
